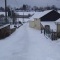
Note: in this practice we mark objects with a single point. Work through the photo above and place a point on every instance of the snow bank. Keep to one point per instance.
(4, 26)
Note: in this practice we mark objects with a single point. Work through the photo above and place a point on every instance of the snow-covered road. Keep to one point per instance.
(29, 44)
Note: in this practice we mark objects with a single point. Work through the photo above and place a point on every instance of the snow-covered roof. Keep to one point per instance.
(44, 13)
(39, 14)
(36, 15)
(4, 26)
(51, 24)
(58, 21)
(58, 11)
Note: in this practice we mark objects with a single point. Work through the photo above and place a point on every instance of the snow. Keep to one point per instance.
(29, 44)
(12, 26)
(58, 21)
(36, 15)
(51, 24)
(25, 13)
(58, 11)
(4, 26)
(2, 13)
(21, 19)
(44, 13)
(10, 20)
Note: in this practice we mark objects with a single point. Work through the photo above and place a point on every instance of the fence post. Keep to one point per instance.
(52, 35)
(44, 31)
(41, 29)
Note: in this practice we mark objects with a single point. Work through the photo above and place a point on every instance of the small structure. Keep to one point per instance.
(35, 24)
(34, 21)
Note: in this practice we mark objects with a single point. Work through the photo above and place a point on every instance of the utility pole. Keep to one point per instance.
(6, 11)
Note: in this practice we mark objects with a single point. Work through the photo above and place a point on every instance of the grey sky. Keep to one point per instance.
(17, 3)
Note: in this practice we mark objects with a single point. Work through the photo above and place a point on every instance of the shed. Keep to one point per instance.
(34, 21)
(49, 15)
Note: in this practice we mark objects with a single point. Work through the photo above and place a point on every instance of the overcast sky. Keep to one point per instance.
(18, 3)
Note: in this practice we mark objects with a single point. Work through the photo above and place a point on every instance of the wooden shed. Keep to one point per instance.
(31, 24)
(35, 24)
(35, 21)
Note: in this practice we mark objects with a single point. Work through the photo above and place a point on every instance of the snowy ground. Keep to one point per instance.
(29, 44)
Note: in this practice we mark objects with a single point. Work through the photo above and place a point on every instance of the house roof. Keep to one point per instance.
(36, 15)
(51, 24)
(44, 13)
(58, 21)
(50, 16)
(39, 14)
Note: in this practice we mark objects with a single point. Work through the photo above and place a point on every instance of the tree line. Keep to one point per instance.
(26, 7)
